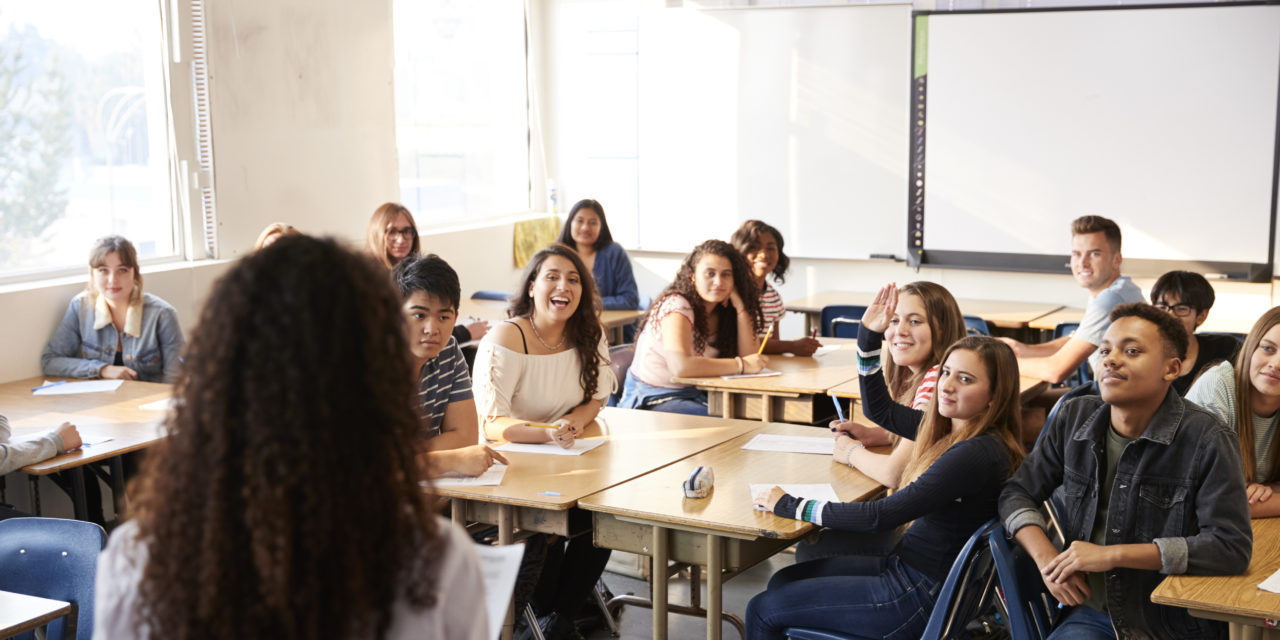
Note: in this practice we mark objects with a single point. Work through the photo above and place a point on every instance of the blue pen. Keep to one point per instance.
(51, 384)
(839, 409)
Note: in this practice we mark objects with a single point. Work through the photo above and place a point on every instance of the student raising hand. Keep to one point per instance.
(880, 312)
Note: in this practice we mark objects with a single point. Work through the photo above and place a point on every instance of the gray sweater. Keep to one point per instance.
(16, 455)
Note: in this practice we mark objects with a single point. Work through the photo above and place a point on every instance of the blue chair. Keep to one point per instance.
(1021, 594)
(960, 600)
(55, 559)
(491, 295)
(976, 326)
(620, 358)
(842, 327)
(1082, 374)
(849, 313)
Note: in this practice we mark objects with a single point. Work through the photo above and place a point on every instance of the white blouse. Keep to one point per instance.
(539, 388)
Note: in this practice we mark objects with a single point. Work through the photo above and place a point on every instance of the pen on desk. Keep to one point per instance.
(765, 341)
(51, 384)
(839, 409)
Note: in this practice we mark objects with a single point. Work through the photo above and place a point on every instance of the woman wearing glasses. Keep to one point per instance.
(1188, 297)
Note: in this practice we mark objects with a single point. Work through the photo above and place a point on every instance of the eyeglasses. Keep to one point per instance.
(1179, 310)
(406, 232)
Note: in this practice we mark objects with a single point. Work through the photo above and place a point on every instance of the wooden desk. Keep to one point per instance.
(116, 415)
(1234, 599)
(790, 397)
(21, 613)
(496, 311)
(638, 442)
(722, 532)
(1002, 313)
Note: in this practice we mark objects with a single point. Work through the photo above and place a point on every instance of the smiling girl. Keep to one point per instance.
(704, 323)
(967, 446)
(761, 245)
(113, 329)
(392, 234)
(1246, 397)
(587, 230)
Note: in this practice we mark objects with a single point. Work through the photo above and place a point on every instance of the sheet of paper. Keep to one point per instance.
(764, 373)
(810, 491)
(492, 477)
(498, 568)
(158, 405)
(1271, 584)
(550, 448)
(824, 350)
(792, 444)
(90, 438)
(86, 386)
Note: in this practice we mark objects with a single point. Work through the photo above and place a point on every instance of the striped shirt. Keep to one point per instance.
(1216, 391)
(771, 307)
(443, 380)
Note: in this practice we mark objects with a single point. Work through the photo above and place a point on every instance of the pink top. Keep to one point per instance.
(650, 363)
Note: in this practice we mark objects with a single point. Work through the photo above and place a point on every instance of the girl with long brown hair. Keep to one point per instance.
(1246, 397)
(967, 446)
(392, 235)
(286, 501)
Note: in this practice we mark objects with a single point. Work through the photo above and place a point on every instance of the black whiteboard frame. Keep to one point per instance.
(917, 183)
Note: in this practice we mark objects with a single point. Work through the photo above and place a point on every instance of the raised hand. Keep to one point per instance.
(878, 314)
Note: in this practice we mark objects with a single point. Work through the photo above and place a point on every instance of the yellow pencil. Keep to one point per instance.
(765, 341)
(541, 426)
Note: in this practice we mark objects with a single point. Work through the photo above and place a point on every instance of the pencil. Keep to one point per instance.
(765, 341)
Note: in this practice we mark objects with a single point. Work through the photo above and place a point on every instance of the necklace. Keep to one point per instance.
(546, 346)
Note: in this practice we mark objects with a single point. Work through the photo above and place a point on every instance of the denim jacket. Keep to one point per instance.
(86, 340)
(1179, 485)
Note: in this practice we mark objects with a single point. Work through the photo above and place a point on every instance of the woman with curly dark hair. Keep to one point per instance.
(761, 244)
(704, 323)
(285, 501)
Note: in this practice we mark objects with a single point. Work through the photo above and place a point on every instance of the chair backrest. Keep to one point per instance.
(966, 587)
(55, 559)
(842, 327)
(1083, 374)
(491, 295)
(833, 311)
(1022, 596)
(976, 326)
(620, 358)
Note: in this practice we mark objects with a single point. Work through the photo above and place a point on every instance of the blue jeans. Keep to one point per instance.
(637, 394)
(874, 596)
(1083, 623)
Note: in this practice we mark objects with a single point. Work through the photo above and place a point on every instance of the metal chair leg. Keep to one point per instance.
(599, 592)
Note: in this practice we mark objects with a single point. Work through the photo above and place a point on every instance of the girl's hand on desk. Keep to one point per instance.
(768, 499)
(878, 314)
(576, 430)
(753, 363)
(845, 446)
(70, 437)
(1258, 493)
(563, 436)
(869, 435)
(805, 346)
(112, 372)
(476, 459)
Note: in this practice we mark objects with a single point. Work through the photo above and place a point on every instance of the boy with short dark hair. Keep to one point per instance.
(1152, 486)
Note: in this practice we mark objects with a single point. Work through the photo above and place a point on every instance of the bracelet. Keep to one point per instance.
(742, 366)
(857, 444)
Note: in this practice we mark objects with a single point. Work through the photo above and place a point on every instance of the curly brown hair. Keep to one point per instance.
(727, 337)
(284, 502)
(583, 328)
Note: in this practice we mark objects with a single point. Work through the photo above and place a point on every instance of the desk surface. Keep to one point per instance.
(496, 311)
(20, 613)
(116, 414)
(799, 374)
(658, 496)
(1002, 313)
(638, 442)
(1232, 595)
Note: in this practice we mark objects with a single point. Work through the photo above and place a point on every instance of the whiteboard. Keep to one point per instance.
(795, 116)
(1161, 119)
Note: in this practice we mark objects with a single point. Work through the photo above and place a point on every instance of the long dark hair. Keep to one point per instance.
(285, 503)
(583, 327)
(566, 234)
(946, 325)
(727, 337)
(748, 238)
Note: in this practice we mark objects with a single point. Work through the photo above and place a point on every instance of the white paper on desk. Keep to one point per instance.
(1271, 584)
(792, 444)
(158, 405)
(89, 439)
(498, 567)
(824, 350)
(87, 386)
(492, 477)
(809, 491)
(764, 373)
(550, 448)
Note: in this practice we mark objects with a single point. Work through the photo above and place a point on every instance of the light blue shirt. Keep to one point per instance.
(84, 343)
(1097, 316)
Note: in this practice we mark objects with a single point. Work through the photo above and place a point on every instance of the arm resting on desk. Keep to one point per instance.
(1058, 366)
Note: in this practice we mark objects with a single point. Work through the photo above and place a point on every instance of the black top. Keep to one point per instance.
(1214, 348)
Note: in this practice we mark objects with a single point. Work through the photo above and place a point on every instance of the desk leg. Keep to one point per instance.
(506, 533)
(458, 511)
(118, 499)
(728, 404)
(766, 408)
(80, 502)
(34, 486)
(715, 604)
(658, 575)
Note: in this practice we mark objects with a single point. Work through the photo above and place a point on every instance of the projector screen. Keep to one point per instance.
(1163, 119)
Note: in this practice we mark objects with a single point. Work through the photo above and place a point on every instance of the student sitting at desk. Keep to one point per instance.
(1152, 486)
(1245, 395)
(587, 230)
(542, 376)
(286, 501)
(113, 329)
(15, 455)
(761, 245)
(704, 323)
(966, 448)
(1188, 297)
(430, 291)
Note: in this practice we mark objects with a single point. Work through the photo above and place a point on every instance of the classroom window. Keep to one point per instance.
(84, 144)
(462, 108)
